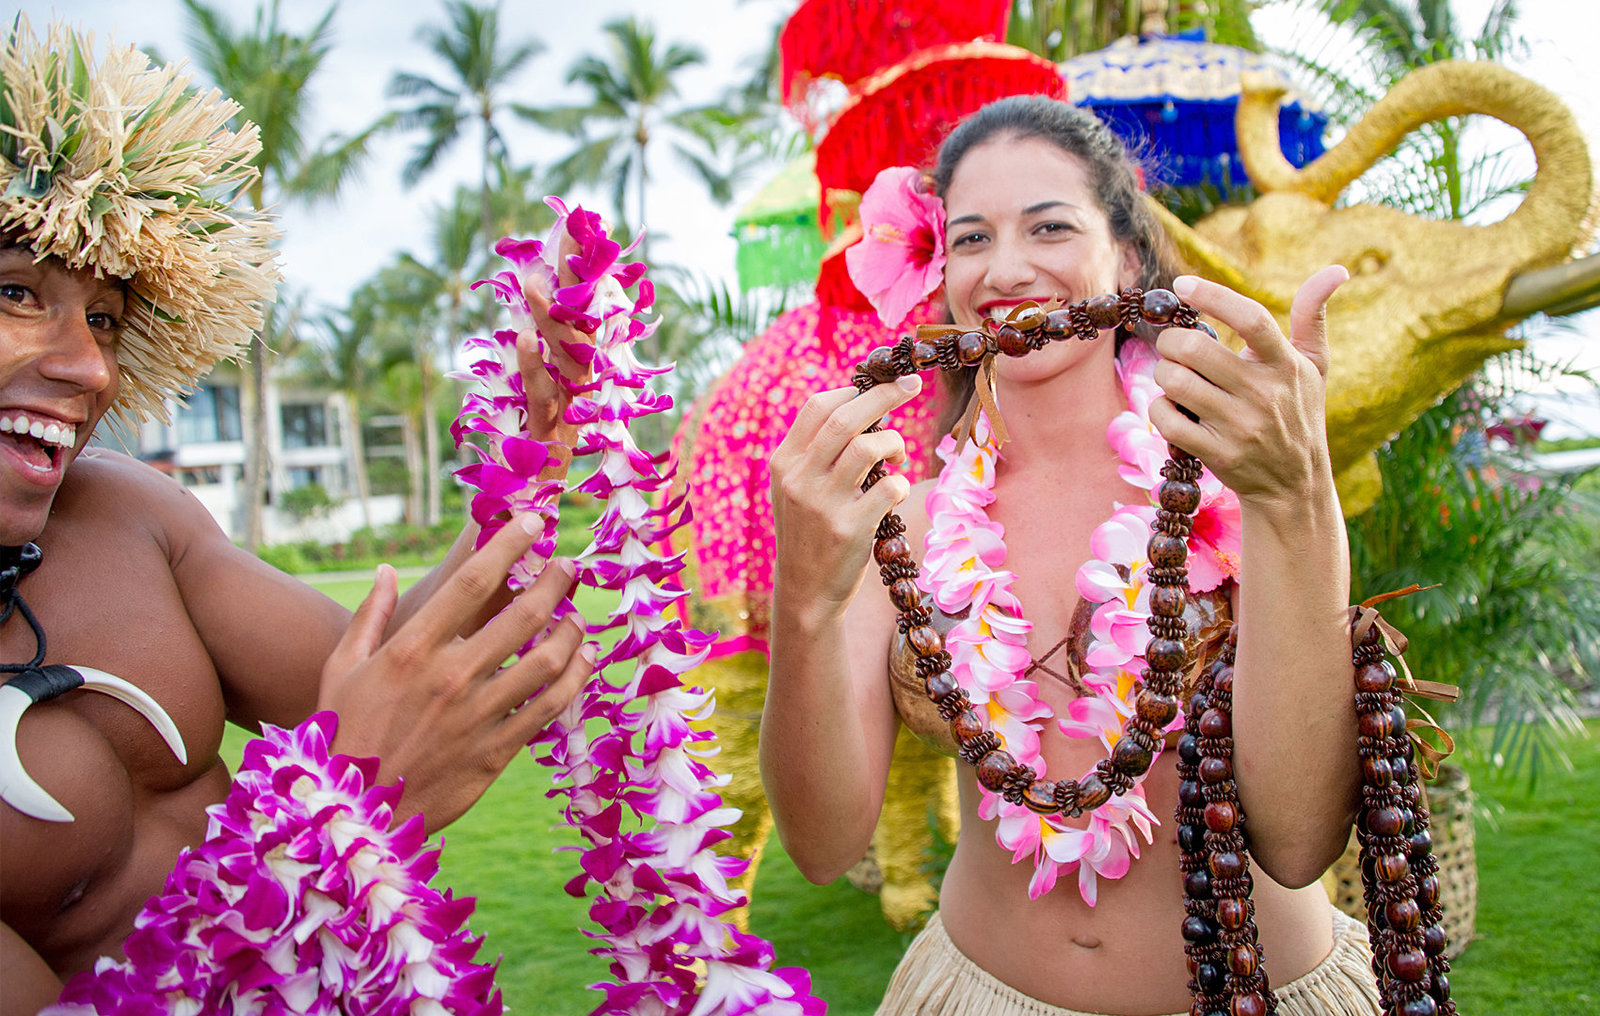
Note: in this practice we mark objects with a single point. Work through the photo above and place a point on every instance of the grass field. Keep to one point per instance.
(1537, 949)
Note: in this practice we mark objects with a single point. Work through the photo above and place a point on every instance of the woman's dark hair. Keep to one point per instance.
(1112, 174)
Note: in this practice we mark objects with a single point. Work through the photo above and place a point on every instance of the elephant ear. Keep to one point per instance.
(1553, 223)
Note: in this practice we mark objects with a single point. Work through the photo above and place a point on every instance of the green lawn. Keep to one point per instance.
(1537, 949)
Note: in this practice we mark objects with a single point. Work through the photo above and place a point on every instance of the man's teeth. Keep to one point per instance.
(51, 433)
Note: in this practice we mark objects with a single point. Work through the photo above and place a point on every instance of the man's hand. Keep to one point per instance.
(440, 711)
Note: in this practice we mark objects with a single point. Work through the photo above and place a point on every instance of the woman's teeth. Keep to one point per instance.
(51, 433)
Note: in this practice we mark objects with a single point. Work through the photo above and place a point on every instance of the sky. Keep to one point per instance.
(332, 247)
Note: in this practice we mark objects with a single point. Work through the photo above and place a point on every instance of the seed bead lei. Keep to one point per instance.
(1398, 872)
(1027, 328)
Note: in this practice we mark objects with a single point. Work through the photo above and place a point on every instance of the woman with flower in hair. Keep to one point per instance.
(1031, 561)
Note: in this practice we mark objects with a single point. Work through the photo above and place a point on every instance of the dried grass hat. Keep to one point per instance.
(122, 167)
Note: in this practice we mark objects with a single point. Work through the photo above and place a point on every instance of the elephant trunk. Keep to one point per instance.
(1558, 210)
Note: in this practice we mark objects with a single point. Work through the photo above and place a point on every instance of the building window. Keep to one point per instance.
(211, 415)
(305, 425)
(304, 476)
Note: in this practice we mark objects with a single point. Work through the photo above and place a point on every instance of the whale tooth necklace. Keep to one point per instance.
(35, 681)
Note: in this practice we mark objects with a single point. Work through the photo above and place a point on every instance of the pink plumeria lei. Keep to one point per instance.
(302, 899)
(963, 570)
(626, 758)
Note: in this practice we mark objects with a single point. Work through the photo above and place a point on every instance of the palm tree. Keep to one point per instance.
(482, 65)
(267, 70)
(632, 97)
(1060, 29)
(437, 293)
(340, 353)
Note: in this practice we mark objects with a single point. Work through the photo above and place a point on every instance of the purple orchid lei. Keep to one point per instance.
(626, 757)
(301, 900)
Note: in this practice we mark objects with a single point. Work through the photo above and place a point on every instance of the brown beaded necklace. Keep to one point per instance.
(1220, 939)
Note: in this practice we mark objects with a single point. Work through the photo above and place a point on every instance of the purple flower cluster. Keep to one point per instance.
(301, 900)
(628, 761)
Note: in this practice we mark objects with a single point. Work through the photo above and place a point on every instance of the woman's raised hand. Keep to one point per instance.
(1260, 424)
(825, 522)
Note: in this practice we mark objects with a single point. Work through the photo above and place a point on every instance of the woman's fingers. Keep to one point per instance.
(1308, 315)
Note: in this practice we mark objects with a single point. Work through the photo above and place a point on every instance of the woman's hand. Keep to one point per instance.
(438, 710)
(824, 521)
(1261, 425)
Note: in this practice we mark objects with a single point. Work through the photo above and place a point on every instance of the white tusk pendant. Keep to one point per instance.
(40, 684)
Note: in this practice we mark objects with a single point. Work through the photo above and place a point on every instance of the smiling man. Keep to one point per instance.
(125, 274)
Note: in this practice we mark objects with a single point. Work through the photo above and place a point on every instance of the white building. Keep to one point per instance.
(204, 447)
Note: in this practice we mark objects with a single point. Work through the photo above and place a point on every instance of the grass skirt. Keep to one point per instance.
(935, 979)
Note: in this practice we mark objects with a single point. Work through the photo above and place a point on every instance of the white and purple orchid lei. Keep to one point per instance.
(963, 570)
(302, 899)
(625, 755)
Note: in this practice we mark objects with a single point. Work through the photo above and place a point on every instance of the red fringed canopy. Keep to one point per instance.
(899, 116)
(850, 39)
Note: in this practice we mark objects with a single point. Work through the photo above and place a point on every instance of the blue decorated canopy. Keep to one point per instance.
(1172, 99)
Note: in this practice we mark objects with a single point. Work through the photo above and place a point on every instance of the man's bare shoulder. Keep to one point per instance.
(104, 488)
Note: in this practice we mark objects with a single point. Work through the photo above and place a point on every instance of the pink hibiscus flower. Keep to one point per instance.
(900, 258)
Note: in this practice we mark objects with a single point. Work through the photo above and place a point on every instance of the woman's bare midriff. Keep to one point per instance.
(1125, 954)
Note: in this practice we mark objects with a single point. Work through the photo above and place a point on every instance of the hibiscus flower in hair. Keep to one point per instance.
(900, 257)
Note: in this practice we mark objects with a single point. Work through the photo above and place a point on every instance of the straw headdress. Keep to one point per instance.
(122, 167)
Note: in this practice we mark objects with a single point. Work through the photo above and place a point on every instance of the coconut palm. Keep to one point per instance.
(1060, 29)
(267, 70)
(631, 102)
(482, 64)
(339, 352)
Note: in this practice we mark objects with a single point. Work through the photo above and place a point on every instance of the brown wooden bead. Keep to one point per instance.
(1221, 816)
(1385, 821)
(1376, 772)
(904, 594)
(1375, 725)
(880, 364)
(1225, 864)
(1179, 496)
(1434, 940)
(1391, 867)
(1155, 709)
(1167, 601)
(967, 725)
(1092, 792)
(924, 640)
(993, 769)
(1131, 757)
(940, 685)
(1010, 340)
(1232, 914)
(1215, 723)
(891, 550)
(1058, 323)
(1040, 797)
(1408, 964)
(1375, 677)
(1159, 306)
(971, 347)
(1249, 1004)
(1427, 892)
(924, 355)
(1404, 915)
(1167, 551)
(1216, 770)
(1166, 654)
(1105, 310)
(1243, 961)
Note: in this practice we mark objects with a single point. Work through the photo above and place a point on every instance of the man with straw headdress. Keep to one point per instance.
(125, 274)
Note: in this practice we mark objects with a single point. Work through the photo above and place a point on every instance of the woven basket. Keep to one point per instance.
(1450, 798)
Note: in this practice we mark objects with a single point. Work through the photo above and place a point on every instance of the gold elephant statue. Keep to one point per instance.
(1427, 303)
